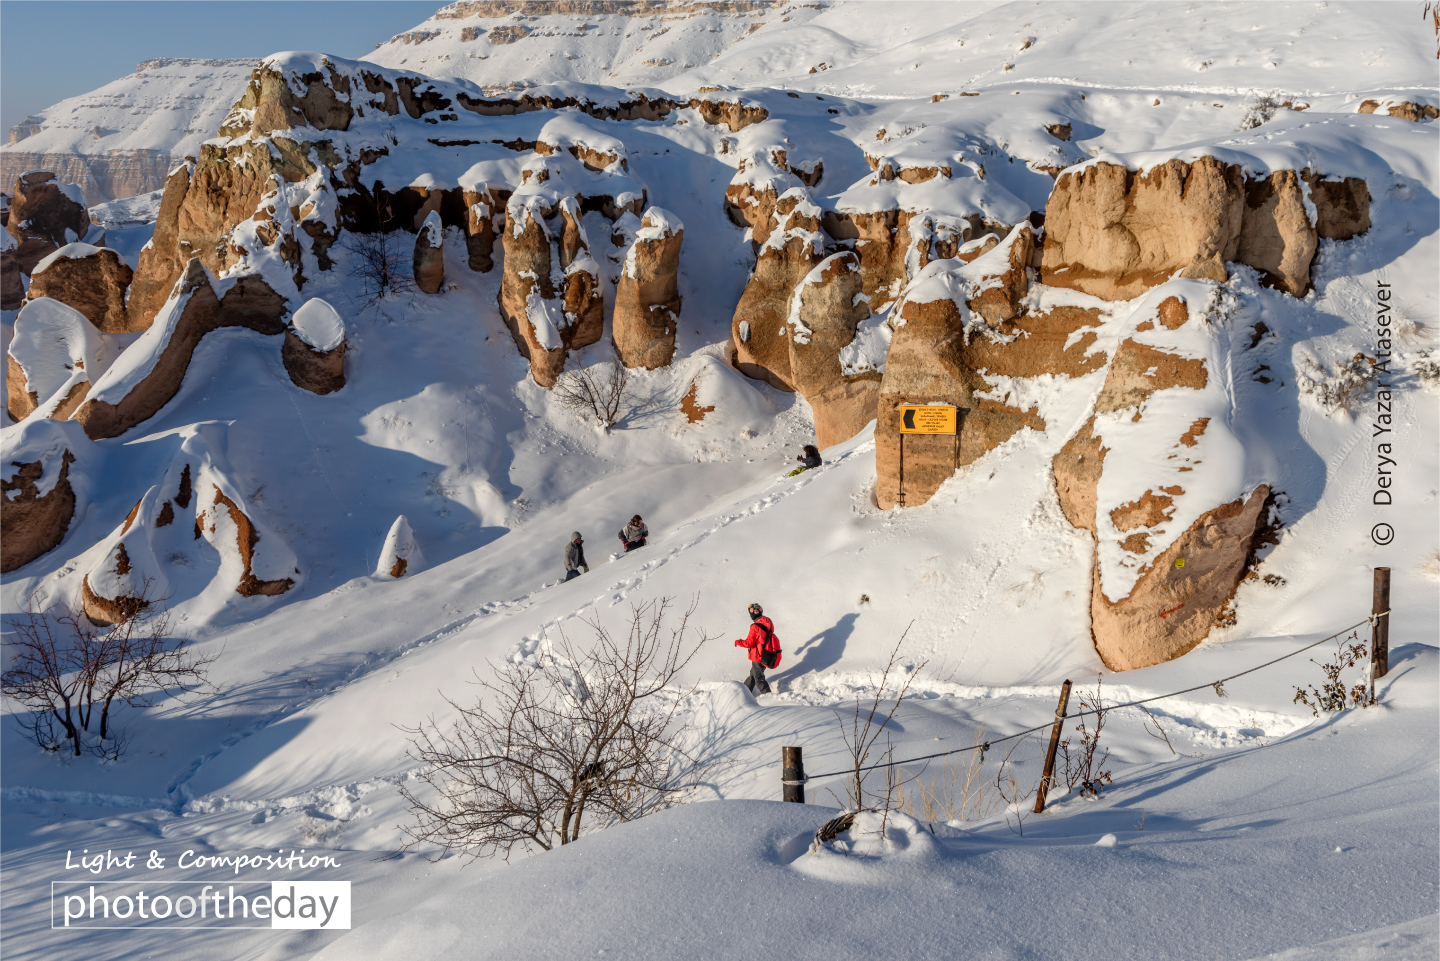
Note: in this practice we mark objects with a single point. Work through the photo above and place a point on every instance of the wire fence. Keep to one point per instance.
(1216, 684)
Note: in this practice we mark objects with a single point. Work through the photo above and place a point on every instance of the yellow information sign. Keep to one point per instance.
(928, 419)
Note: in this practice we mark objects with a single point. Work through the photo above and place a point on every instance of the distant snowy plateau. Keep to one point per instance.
(311, 362)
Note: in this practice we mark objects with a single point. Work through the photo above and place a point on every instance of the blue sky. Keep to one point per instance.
(53, 49)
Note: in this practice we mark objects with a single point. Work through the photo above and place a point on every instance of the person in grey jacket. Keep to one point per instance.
(634, 534)
(575, 557)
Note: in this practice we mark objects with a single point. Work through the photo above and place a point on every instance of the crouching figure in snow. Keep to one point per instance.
(634, 534)
(764, 650)
(575, 557)
(808, 460)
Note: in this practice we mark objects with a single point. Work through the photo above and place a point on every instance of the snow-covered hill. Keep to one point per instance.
(1250, 827)
(912, 48)
(122, 139)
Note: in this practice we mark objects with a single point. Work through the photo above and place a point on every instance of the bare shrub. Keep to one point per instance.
(1084, 769)
(70, 673)
(863, 728)
(573, 743)
(1344, 387)
(1011, 793)
(600, 392)
(1426, 370)
(959, 794)
(1333, 696)
(382, 263)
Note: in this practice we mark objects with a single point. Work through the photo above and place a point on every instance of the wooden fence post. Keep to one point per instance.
(792, 775)
(1048, 777)
(1380, 627)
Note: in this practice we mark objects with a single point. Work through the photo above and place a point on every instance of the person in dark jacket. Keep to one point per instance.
(575, 557)
(808, 460)
(634, 534)
(764, 650)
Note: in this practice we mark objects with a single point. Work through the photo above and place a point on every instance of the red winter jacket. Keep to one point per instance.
(761, 638)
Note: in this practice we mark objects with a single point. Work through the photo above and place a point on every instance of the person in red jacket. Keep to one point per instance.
(764, 650)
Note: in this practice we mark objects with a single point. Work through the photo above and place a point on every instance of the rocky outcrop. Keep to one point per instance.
(826, 311)
(399, 555)
(39, 494)
(53, 358)
(1156, 446)
(550, 293)
(1115, 232)
(759, 329)
(134, 391)
(1404, 109)
(755, 189)
(93, 280)
(314, 350)
(44, 216)
(896, 244)
(1173, 606)
(479, 230)
(647, 299)
(430, 255)
(942, 348)
(162, 260)
(196, 500)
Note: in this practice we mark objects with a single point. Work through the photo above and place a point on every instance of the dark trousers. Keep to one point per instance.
(631, 545)
(757, 679)
(570, 575)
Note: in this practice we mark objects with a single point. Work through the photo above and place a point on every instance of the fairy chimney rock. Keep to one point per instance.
(44, 216)
(550, 295)
(430, 255)
(759, 329)
(647, 299)
(39, 499)
(827, 309)
(93, 280)
(400, 555)
(314, 349)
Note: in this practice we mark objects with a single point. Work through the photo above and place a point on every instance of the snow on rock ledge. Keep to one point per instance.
(314, 350)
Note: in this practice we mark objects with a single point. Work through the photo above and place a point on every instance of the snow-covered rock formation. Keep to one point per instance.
(647, 300)
(314, 349)
(399, 555)
(91, 279)
(197, 499)
(53, 358)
